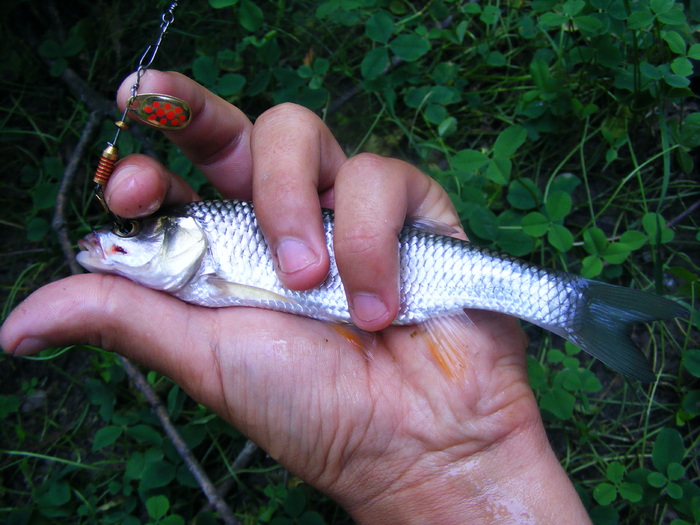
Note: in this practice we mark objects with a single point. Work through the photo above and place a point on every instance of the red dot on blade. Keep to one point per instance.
(148, 109)
(156, 104)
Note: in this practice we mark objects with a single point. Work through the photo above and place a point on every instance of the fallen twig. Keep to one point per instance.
(59, 217)
(245, 456)
(192, 464)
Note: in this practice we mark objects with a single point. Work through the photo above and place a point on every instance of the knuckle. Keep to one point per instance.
(362, 240)
(286, 112)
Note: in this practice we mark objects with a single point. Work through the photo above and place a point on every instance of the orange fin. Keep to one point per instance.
(359, 339)
(447, 338)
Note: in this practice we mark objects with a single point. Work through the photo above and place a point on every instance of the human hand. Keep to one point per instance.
(390, 437)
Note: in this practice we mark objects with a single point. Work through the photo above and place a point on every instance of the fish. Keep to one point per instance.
(213, 254)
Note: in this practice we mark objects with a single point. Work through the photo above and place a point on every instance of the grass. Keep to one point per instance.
(565, 132)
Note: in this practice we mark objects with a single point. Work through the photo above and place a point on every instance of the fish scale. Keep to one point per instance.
(214, 254)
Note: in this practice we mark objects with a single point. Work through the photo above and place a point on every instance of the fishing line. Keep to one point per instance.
(157, 110)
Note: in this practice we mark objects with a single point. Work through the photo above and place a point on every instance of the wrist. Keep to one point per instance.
(517, 480)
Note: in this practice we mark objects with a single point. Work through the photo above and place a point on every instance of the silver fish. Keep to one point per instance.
(214, 254)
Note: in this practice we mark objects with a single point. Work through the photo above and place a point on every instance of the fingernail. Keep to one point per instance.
(29, 345)
(368, 307)
(293, 255)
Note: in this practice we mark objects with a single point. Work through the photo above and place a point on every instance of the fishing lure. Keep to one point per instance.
(157, 110)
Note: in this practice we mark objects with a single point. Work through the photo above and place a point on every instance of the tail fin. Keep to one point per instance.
(605, 318)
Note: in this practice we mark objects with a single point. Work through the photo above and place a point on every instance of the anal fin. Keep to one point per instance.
(447, 338)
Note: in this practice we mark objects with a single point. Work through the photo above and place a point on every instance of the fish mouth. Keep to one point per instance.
(91, 244)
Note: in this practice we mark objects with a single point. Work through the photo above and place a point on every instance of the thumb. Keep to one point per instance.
(111, 313)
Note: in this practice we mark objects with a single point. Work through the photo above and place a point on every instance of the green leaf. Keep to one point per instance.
(447, 127)
(558, 205)
(661, 6)
(205, 70)
(559, 402)
(220, 4)
(675, 471)
(514, 242)
(604, 493)
(106, 436)
(509, 140)
(691, 362)
(498, 170)
(8, 405)
(655, 226)
(656, 480)
(675, 42)
(694, 52)
(145, 434)
(44, 195)
(134, 466)
(588, 24)
(594, 241)
(374, 63)
(691, 402)
(632, 492)
(157, 474)
(535, 224)
(523, 194)
(295, 502)
(489, 14)
(561, 238)
(682, 66)
(548, 20)
(483, 223)
(250, 16)
(50, 49)
(668, 448)
(591, 266)
(157, 507)
(640, 20)
(674, 17)
(573, 7)
(616, 253)
(690, 131)
(468, 160)
(674, 490)
(379, 27)
(73, 46)
(555, 356)
(229, 84)
(677, 81)
(615, 471)
(435, 113)
(54, 493)
(409, 47)
(536, 374)
(496, 59)
(634, 239)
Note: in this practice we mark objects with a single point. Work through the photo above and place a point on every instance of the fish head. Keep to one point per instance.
(161, 252)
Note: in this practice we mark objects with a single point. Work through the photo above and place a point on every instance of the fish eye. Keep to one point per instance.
(126, 229)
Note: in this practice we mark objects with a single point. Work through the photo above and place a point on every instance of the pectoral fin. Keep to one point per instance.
(241, 294)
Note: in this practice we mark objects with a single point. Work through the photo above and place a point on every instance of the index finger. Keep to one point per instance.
(217, 139)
